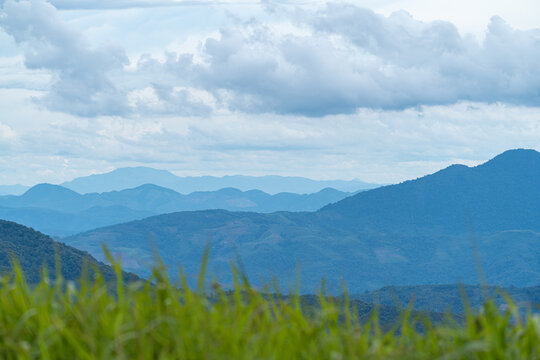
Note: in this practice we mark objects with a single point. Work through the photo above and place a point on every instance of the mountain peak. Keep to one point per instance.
(150, 187)
(46, 189)
(121, 179)
(519, 164)
(502, 193)
(139, 171)
(515, 157)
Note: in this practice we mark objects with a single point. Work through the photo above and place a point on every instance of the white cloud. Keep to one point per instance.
(6, 133)
(13, 74)
(311, 92)
(359, 59)
(87, 81)
(81, 85)
(338, 59)
(373, 145)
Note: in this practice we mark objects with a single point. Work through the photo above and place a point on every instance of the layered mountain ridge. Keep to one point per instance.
(131, 177)
(425, 231)
(59, 211)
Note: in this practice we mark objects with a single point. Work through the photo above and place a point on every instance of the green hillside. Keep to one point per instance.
(34, 250)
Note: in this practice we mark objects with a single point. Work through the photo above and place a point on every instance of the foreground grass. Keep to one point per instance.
(156, 320)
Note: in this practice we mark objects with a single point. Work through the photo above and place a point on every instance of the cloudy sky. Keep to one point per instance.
(380, 91)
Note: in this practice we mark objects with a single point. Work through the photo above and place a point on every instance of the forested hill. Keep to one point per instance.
(33, 250)
(501, 194)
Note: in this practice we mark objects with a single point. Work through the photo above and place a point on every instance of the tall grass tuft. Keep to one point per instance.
(157, 320)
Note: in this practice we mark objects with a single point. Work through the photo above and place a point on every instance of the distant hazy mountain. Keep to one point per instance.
(13, 189)
(121, 179)
(33, 250)
(59, 212)
(49, 197)
(161, 200)
(424, 231)
(59, 224)
(126, 178)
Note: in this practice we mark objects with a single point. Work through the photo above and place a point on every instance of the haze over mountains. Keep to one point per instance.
(424, 231)
(131, 177)
(128, 194)
(58, 211)
(13, 189)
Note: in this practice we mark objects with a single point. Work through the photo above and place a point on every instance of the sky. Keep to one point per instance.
(382, 91)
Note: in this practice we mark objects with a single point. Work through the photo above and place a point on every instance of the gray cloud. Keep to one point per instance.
(353, 58)
(356, 58)
(87, 81)
(334, 61)
(81, 85)
(372, 145)
(433, 64)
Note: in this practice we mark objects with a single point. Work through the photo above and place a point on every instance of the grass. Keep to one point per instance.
(157, 320)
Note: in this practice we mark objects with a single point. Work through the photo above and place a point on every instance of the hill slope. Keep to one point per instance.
(33, 250)
(501, 194)
(416, 232)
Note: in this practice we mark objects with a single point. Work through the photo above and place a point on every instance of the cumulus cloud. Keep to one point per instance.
(334, 60)
(87, 80)
(80, 84)
(371, 145)
(257, 71)
(431, 63)
(355, 58)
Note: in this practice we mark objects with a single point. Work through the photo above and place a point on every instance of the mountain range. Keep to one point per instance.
(131, 177)
(458, 224)
(59, 211)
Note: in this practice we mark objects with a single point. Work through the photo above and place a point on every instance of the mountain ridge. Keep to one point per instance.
(59, 211)
(417, 202)
(131, 177)
(413, 232)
